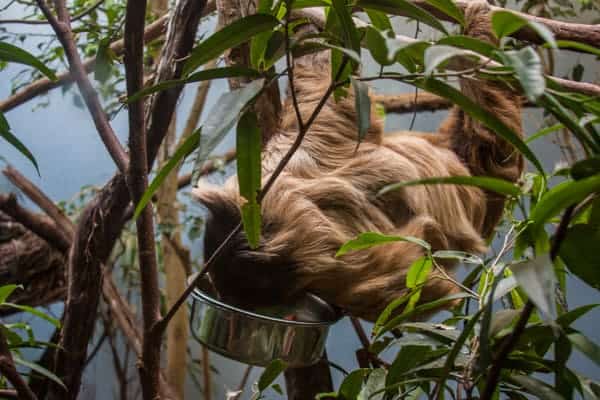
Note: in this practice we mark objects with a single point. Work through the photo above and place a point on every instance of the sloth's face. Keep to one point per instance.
(244, 276)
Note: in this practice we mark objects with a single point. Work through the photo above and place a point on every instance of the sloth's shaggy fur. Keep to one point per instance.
(327, 196)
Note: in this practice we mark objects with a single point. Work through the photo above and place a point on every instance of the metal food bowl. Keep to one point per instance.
(294, 332)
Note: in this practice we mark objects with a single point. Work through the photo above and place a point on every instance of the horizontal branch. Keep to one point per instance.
(582, 33)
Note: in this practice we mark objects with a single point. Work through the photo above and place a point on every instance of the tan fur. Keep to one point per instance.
(327, 196)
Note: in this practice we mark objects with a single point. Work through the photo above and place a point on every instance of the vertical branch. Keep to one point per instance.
(8, 370)
(138, 182)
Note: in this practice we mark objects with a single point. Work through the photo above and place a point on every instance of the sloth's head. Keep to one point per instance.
(242, 275)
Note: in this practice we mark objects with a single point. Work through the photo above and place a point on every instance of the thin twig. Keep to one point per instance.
(62, 28)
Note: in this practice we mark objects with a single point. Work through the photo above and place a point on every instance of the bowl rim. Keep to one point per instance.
(200, 295)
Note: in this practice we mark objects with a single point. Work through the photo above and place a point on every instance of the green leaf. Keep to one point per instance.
(560, 197)
(449, 8)
(404, 8)
(571, 45)
(204, 75)
(104, 61)
(370, 239)
(351, 38)
(251, 220)
(535, 387)
(248, 146)
(363, 107)
(372, 390)
(529, 69)
(586, 168)
(11, 53)
(380, 20)
(537, 279)
(492, 184)
(352, 383)
(461, 256)
(416, 276)
(442, 89)
(35, 312)
(470, 43)
(376, 44)
(40, 370)
(568, 318)
(271, 372)
(387, 312)
(180, 154)
(408, 357)
(586, 346)
(258, 45)
(17, 144)
(438, 54)
(6, 290)
(230, 36)
(221, 118)
(505, 23)
(579, 251)
(544, 132)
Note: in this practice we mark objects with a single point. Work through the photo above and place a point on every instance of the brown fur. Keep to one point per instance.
(327, 196)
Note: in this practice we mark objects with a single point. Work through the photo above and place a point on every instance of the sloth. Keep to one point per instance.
(328, 194)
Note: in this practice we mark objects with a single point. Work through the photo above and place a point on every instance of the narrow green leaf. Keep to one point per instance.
(461, 256)
(188, 146)
(104, 61)
(586, 346)
(416, 276)
(505, 23)
(6, 290)
(375, 382)
(15, 142)
(387, 312)
(351, 38)
(11, 53)
(437, 55)
(560, 197)
(535, 387)
(449, 8)
(579, 251)
(404, 8)
(442, 89)
(568, 318)
(585, 168)
(380, 20)
(363, 107)
(271, 372)
(492, 184)
(470, 43)
(352, 383)
(35, 312)
(571, 45)
(258, 45)
(221, 118)
(537, 279)
(527, 64)
(230, 36)
(39, 369)
(204, 75)
(248, 147)
(544, 132)
(251, 220)
(370, 239)
(408, 357)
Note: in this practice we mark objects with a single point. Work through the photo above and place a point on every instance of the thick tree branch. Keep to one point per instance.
(583, 33)
(102, 221)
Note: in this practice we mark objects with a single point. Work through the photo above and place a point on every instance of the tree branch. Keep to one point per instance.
(8, 369)
(102, 221)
